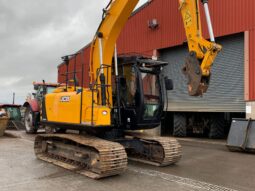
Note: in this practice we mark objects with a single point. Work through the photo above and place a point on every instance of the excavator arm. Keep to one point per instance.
(202, 52)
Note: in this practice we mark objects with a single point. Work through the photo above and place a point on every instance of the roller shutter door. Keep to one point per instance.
(226, 91)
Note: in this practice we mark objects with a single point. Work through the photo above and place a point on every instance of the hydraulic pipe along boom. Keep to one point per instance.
(117, 84)
(208, 19)
(102, 76)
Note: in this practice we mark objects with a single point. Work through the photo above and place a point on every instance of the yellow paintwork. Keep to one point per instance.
(205, 50)
(64, 107)
(115, 18)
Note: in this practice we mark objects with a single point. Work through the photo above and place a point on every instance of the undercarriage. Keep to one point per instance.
(86, 155)
(98, 158)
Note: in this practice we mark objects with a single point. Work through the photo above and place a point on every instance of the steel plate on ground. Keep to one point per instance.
(242, 135)
(251, 138)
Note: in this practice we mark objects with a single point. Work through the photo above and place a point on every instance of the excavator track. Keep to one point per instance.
(86, 155)
(157, 151)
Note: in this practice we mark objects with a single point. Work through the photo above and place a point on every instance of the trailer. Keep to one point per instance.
(13, 112)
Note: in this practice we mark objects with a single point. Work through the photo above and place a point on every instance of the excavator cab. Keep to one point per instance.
(141, 92)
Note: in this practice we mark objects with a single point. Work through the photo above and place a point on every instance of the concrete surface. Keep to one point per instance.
(206, 165)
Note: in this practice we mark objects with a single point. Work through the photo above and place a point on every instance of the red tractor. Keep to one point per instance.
(33, 104)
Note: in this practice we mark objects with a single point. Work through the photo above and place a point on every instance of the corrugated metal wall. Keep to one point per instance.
(226, 91)
(252, 65)
(228, 17)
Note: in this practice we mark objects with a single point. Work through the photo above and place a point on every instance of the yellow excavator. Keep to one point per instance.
(126, 94)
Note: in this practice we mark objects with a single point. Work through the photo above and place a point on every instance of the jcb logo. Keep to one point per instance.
(65, 99)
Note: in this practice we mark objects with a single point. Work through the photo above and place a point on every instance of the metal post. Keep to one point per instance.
(44, 88)
(102, 76)
(101, 54)
(208, 19)
(116, 61)
(13, 98)
(74, 72)
(66, 60)
(117, 84)
(82, 83)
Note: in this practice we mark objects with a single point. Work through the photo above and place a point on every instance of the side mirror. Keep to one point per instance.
(169, 84)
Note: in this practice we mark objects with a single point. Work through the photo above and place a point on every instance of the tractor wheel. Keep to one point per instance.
(29, 121)
(217, 127)
(180, 125)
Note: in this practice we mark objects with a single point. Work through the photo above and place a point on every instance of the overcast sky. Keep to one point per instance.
(34, 34)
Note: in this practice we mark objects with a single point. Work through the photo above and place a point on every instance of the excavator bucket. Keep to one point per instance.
(242, 135)
(197, 84)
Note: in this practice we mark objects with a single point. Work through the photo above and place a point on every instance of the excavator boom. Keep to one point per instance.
(115, 15)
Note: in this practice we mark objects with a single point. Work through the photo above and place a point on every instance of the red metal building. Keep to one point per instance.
(228, 16)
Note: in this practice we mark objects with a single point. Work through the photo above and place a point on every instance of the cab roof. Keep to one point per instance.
(46, 84)
(9, 105)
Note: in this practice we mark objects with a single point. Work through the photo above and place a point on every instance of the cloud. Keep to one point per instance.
(34, 34)
(10, 81)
